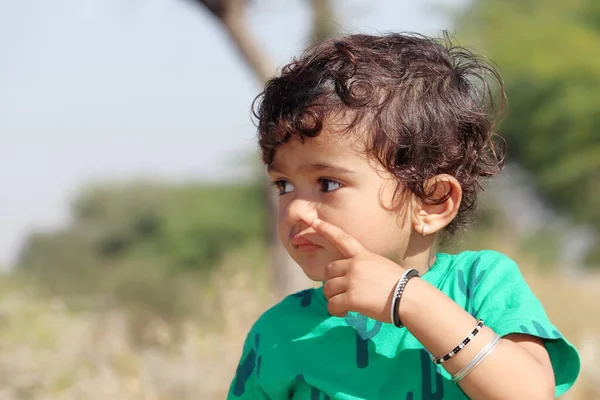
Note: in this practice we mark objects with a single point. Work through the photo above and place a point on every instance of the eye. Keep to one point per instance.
(283, 187)
(329, 185)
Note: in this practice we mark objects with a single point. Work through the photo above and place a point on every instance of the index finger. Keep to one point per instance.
(346, 244)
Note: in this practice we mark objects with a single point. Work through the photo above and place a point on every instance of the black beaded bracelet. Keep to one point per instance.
(461, 345)
(411, 273)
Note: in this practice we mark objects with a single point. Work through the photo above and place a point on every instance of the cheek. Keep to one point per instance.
(361, 222)
(379, 230)
(282, 225)
(390, 194)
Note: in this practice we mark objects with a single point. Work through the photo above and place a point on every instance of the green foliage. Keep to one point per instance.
(185, 226)
(139, 244)
(547, 51)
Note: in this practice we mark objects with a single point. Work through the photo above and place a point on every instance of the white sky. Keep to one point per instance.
(113, 89)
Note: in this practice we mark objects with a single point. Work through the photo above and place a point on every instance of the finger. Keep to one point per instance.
(337, 305)
(336, 268)
(345, 243)
(334, 286)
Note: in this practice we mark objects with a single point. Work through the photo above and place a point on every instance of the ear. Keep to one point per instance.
(432, 215)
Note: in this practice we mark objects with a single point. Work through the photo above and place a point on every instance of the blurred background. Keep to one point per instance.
(136, 246)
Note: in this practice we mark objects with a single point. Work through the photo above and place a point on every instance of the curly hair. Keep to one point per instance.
(427, 105)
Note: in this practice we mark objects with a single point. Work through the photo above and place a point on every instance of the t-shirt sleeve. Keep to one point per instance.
(245, 384)
(507, 305)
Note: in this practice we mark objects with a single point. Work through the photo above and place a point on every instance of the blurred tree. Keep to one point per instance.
(548, 53)
(187, 226)
(134, 242)
(287, 277)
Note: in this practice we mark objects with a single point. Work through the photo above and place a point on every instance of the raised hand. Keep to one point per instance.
(362, 281)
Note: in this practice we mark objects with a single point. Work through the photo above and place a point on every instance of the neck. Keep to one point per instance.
(420, 254)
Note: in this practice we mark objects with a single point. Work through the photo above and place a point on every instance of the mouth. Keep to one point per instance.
(301, 243)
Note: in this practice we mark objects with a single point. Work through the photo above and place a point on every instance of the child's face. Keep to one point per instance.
(330, 178)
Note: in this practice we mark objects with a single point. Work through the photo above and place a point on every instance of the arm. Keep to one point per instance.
(244, 385)
(519, 368)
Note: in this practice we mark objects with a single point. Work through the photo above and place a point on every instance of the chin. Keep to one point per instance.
(314, 276)
(312, 264)
(313, 272)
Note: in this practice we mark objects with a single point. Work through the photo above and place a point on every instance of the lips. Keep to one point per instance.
(300, 242)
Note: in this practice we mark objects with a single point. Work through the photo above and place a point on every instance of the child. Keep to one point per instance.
(377, 146)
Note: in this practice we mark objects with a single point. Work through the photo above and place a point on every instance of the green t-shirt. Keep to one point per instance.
(297, 350)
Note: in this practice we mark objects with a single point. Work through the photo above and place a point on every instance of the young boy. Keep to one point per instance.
(377, 146)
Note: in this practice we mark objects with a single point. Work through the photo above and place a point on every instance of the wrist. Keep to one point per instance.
(424, 307)
(408, 307)
(398, 294)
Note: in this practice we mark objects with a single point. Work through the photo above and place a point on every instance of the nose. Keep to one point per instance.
(300, 210)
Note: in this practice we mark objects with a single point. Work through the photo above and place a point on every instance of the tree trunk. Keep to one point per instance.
(286, 275)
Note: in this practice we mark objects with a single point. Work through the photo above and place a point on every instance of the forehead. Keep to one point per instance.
(329, 146)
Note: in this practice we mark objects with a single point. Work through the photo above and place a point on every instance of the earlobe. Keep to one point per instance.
(433, 214)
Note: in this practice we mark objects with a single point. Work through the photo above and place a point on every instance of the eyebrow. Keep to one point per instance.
(317, 167)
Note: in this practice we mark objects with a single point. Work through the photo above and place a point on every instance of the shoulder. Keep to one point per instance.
(484, 264)
(476, 279)
(482, 259)
(288, 317)
(295, 303)
(493, 289)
